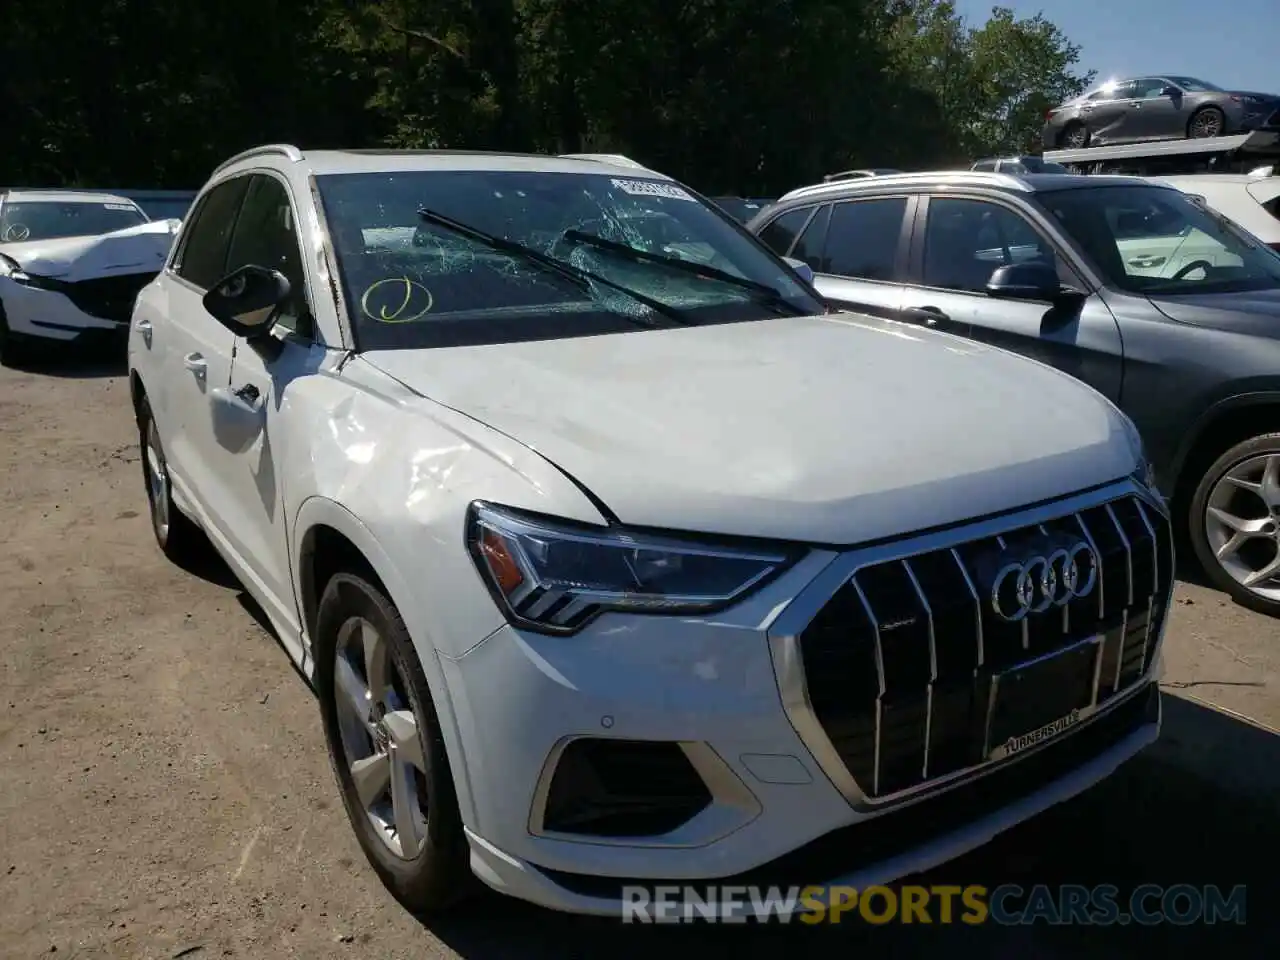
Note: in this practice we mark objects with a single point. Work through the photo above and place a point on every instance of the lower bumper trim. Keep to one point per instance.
(896, 834)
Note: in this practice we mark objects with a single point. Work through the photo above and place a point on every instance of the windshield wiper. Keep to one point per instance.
(580, 278)
(762, 291)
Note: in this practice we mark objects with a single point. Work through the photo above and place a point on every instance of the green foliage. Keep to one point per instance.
(730, 95)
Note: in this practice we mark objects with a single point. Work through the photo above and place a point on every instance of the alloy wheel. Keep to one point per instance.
(1076, 138)
(1242, 524)
(157, 483)
(380, 738)
(1206, 124)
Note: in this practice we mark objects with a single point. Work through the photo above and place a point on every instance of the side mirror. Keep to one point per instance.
(1025, 281)
(246, 300)
(1170, 91)
(800, 267)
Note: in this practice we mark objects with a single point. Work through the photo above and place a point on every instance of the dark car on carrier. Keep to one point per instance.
(1162, 305)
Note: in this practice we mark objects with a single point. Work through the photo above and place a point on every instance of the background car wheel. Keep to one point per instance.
(1075, 136)
(1206, 122)
(13, 349)
(1235, 523)
(178, 537)
(385, 746)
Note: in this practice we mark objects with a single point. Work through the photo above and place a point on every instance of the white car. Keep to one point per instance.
(608, 567)
(1253, 202)
(71, 264)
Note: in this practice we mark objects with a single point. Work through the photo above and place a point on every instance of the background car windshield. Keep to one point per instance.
(53, 219)
(412, 283)
(1192, 85)
(1154, 240)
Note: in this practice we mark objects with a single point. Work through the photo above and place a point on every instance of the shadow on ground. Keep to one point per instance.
(75, 363)
(1200, 807)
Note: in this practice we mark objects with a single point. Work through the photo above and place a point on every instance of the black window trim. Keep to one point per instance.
(314, 336)
(1060, 244)
(901, 262)
(779, 213)
(197, 208)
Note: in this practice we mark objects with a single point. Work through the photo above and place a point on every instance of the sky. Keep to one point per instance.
(1231, 43)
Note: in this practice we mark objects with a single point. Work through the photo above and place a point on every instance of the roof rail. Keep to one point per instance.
(616, 159)
(836, 187)
(290, 152)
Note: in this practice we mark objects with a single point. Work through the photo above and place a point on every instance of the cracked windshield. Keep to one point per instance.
(559, 254)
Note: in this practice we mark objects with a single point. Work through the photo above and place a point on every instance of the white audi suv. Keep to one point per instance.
(619, 560)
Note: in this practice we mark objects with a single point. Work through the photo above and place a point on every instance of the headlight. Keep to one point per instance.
(11, 269)
(555, 577)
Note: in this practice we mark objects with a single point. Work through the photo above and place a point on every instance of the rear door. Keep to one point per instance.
(962, 240)
(862, 265)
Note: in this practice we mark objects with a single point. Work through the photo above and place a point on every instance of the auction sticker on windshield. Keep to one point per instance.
(651, 188)
(117, 206)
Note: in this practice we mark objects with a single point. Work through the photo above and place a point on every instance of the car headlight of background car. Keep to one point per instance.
(554, 577)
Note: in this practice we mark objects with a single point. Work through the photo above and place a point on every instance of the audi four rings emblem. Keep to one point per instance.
(1034, 584)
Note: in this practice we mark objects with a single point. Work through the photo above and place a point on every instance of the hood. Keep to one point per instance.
(834, 430)
(1254, 312)
(138, 249)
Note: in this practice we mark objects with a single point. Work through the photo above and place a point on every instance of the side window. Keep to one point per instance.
(1125, 91)
(809, 247)
(862, 240)
(1147, 88)
(203, 259)
(781, 232)
(266, 235)
(965, 240)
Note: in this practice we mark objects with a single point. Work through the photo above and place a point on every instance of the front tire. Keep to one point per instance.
(1234, 523)
(176, 534)
(386, 749)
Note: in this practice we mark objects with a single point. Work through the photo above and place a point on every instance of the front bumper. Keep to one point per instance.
(740, 711)
(40, 312)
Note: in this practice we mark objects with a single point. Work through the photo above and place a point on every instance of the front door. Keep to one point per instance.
(195, 351)
(248, 411)
(964, 240)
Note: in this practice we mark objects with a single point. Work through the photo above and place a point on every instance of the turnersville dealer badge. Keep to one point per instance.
(1023, 741)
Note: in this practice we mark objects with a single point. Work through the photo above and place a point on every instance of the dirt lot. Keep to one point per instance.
(165, 790)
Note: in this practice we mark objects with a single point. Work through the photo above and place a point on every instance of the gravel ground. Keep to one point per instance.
(165, 790)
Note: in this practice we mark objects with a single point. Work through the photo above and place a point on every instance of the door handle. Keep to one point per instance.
(1146, 261)
(143, 326)
(929, 316)
(197, 364)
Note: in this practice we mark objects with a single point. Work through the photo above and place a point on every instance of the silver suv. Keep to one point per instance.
(614, 555)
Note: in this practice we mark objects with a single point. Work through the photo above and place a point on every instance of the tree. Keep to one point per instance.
(1022, 67)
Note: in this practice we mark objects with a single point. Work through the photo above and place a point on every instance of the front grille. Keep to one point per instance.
(110, 298)
(901, 664)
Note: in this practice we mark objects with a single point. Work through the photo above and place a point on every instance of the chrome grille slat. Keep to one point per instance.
(1128, 552)
(977, 603)
(926, 717)
(1155, 566)
(1084, 528)
(879, 651)
(933, 665)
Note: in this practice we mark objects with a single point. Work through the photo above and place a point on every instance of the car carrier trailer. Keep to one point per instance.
(1236, 154)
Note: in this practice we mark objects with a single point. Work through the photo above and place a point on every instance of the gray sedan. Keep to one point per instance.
(1156, 108)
